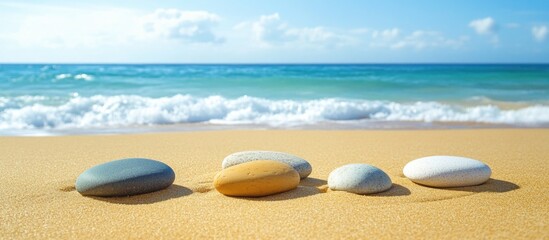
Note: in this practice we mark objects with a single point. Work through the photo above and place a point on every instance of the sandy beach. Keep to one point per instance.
(39, 199)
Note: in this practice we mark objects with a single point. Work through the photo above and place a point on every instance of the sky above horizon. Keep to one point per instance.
(244, 31)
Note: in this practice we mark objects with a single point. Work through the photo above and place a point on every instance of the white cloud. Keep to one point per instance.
(270, 30)
(71, 28)
(386, 34)
(393, 38)
(360, 31)
(484, 26)
(539, 33)
(428, 39)
(190, 26)
(317, 35)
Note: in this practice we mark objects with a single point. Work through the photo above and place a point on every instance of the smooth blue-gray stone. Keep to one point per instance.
(359, 178)
(125, 177)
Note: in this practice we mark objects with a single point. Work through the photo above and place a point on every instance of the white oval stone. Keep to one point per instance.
(359, 178)
(299, 164)
(447, 171)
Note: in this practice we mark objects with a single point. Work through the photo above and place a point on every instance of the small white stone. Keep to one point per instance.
(447, 171)
(299, 164)
(359, 178)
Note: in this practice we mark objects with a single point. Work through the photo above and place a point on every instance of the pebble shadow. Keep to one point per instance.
(394, 191)
(492, 185)
(312, 182)
(173, 191)
(307, 187)
(299, 192)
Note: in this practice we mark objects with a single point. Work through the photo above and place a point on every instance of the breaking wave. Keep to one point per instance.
(38, 112)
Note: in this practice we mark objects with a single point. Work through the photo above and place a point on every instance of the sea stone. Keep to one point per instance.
(447, 171)
(299, 164)
(256, 179)
(359, 178)
(125, 177)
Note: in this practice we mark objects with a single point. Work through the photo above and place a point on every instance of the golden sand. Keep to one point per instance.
(37, 176)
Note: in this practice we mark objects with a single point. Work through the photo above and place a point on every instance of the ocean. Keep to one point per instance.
(53, 99)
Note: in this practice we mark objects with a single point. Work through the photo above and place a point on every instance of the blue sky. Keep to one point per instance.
(274, 31)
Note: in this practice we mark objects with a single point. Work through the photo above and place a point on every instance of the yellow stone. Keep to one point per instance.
(256, 179)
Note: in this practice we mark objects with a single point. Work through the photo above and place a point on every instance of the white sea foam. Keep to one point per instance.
(84, 77)
(81, 76)
(62, 76)
(33, 112)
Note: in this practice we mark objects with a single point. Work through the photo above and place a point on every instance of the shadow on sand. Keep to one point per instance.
(312, 182)
(173, 191)
(394, 191)
(311, 186)
(492, 185)
(307, 187)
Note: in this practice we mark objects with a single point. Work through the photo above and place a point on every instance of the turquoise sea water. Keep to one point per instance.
(49, 98)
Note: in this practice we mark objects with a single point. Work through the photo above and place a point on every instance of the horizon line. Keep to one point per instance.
(276, 63)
